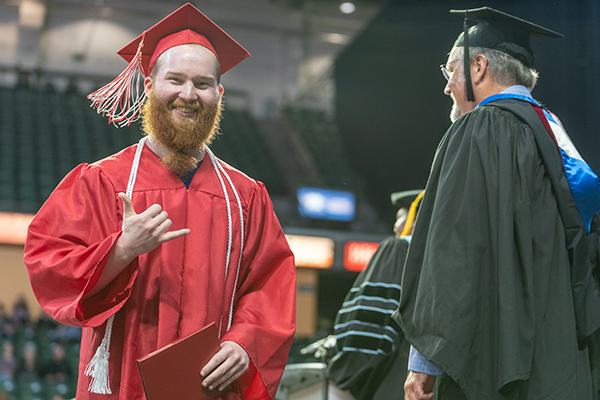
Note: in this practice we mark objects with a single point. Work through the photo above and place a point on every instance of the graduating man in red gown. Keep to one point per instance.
(161, 239)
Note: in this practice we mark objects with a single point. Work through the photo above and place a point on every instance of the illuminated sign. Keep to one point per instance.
(334, 205)
(311, 251)
(358, 254)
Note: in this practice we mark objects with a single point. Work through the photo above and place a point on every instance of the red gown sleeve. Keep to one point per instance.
(264, 319)
(67, 246)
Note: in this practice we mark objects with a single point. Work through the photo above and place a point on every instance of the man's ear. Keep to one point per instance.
(148, 82)
(221, 91)
(479, 68)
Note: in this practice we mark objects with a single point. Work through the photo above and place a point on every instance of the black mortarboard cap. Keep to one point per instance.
(410, 199)
(405, 198)
(499, 31)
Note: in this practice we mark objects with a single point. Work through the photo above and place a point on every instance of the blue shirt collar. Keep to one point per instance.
(513, 92)
(518, 90)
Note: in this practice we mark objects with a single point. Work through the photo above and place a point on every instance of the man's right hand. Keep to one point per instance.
(142, 233)
(419, 386)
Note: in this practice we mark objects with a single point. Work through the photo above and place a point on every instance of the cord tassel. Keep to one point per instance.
(97, 369)
(122, 100)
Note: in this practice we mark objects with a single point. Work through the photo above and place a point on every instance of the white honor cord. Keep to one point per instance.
(218, 170)
(97, 369)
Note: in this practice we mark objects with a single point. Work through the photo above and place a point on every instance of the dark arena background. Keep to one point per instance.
(342, 103)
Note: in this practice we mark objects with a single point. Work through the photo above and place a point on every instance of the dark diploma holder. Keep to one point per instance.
(173, 372)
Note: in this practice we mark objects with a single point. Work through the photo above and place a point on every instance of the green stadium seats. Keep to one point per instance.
(50, 133)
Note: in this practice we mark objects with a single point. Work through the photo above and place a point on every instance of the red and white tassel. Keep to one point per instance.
(122, 99)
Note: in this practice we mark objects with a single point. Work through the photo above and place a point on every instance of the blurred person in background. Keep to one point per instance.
(57, 369)
(20, 313)
(7, 327)
(371, 353)
(28, 370)
(8, 361)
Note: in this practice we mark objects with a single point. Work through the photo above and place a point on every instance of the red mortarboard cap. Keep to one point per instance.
(185, 25)
(122, 99)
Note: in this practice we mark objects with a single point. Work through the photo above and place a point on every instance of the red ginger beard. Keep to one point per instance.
(183, 135)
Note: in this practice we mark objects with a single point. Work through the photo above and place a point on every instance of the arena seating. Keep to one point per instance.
(45, 133)
(322, 137)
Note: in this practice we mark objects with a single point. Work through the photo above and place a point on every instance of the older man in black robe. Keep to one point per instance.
(498, 299)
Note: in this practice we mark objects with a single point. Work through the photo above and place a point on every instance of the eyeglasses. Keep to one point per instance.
(445, 71)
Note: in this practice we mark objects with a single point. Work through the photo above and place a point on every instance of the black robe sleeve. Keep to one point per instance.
(370, 346)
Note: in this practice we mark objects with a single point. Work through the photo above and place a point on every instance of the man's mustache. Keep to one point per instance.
(194, 106)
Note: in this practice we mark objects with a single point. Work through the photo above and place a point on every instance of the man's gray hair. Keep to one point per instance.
(506, 69)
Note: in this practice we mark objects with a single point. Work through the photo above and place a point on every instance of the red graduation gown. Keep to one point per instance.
(174, 290)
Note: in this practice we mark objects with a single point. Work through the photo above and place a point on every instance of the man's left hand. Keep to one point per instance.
(225, 367)
(419, 386)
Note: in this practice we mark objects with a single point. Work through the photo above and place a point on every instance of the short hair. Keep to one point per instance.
(505, 69)
(160, 60)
